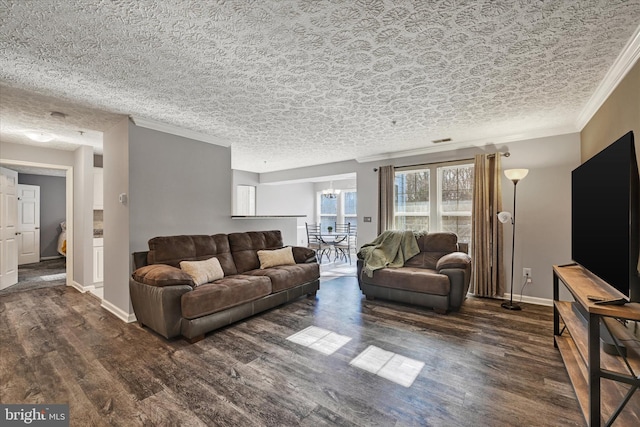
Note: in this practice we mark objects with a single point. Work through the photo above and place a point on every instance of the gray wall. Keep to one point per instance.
(52, 209)
(83, 216)
(288, 199)
(117, 254)
(175, 185)
(619, 114)
(182, 186)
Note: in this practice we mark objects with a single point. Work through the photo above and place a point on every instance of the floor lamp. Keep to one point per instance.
(515, 175)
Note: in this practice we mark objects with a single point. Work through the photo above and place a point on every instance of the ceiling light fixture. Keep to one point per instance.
(437, 141)
(330, 192)
(58, 115)
(39, 136)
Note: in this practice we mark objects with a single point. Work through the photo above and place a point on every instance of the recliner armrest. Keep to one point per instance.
(158, 307)
(303, 255)
(454, 260)
(161, 275)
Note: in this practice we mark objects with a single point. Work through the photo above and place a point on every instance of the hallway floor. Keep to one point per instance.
(38, 275)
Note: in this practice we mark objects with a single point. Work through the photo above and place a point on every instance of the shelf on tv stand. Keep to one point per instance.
(590, 369)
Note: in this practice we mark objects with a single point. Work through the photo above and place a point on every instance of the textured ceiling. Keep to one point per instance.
(294, 83)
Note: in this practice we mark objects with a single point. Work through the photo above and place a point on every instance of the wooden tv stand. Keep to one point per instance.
(604, 383)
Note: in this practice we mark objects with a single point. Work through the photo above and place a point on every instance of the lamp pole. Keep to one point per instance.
(510, 305)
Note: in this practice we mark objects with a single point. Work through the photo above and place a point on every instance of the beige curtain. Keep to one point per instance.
(386, 178)
(487, 266)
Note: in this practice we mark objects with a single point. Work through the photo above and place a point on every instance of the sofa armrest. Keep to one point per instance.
(161, 275)
(456, 266)
(454, 260)
(158, 307)
(459, 280)
(303, 255)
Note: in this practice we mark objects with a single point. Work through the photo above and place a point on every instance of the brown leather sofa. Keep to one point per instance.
(437, 277)
(165, 299)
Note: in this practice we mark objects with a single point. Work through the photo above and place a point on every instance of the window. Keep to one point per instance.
(350, 208)
(412, 204)
(338, 208)
(328, 210)
(456, 200)
(441, 204)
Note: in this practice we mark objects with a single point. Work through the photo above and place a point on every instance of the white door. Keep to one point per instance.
(28, 224)
(8, 228)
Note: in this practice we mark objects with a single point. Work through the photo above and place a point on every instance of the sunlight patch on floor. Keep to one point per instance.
(389, 365)
(52, 277)
(322, 340)
(386, 364)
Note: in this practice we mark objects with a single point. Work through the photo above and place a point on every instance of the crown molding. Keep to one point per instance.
(437, 148)
(176, 130)
(622, 65)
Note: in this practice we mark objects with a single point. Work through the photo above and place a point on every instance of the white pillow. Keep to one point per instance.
(276, 257)
(203, 271)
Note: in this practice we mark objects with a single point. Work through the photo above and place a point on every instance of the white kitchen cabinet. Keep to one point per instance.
(98, 189)
(98, 260)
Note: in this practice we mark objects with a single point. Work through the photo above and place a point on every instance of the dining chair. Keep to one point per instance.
(315, 242)
(342, 245)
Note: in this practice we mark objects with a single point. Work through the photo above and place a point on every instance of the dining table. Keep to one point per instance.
(334, 238)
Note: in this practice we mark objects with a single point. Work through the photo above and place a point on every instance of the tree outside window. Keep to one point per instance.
(412, 205)
(456, 200)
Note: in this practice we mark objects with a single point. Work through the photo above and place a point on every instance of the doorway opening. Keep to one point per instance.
(54, 270)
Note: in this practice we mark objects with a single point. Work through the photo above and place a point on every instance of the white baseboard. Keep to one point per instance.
(48, 258)
(119, 313)
(78, 287)
(530, 300)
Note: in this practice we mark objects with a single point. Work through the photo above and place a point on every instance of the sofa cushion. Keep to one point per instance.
(203, 272)
(173, 249)
(433, 246)
(161, 275)
(410, 279)
(245, 247)
(424, 260)
(275, 257)
(222, 294)
(438, 242)
(288, 276)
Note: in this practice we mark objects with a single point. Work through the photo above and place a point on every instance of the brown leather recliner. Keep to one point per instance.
(437, 277)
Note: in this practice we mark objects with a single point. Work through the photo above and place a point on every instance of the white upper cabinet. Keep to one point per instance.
(98, 189)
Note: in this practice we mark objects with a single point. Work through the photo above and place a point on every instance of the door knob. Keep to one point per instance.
(18, 233)
(37, 228)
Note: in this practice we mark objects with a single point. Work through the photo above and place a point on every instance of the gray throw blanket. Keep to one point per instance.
(390, 249)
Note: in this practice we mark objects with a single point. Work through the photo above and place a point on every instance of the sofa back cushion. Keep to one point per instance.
(433, 246)
(245, 247)
(173, 249)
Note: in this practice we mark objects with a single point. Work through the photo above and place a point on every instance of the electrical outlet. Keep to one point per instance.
(526, 272)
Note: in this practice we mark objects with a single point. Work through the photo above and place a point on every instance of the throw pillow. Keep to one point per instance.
(276, 257)
(203, 271)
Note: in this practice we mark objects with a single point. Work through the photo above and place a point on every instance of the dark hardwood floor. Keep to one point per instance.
(484, 366)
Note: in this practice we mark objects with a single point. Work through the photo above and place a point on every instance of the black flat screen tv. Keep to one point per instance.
(605, 216)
